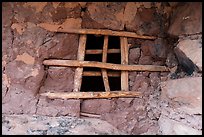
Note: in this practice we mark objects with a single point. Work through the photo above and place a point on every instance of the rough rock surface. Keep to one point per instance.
(43, 125)
(187, 19)
(181, 109)
(192, 50)
(26, 44)
(186, 91)
(172, 127)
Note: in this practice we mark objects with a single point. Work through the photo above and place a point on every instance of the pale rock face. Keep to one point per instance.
(172, 127)
(186, 91)
(193, 50)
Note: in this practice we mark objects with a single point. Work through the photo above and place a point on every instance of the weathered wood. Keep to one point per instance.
(89, 115)
(75, 63)
(124, 60)
(98, 32)
(104, 59)
(80, 56)
(91, 95)
(97, 73)
(95, 51)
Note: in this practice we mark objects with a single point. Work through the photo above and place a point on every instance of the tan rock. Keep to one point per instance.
(172, 127)
(20, 28)
(69, 23)
(26, 58)
(187, 92)
(130, 11)
(39, 6)
(55, 4)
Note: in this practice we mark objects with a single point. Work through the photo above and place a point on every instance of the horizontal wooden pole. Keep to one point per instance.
(60, 28)
(90, 95)
(98, 73)
(89, 115)
(76, 63)
(100, 51)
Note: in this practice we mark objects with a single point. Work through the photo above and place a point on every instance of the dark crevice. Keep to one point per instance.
(42, 81)
(83, 9)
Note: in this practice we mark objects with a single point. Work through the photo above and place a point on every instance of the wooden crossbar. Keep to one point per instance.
(76, 63)
(91, 94)
(95, 51)
(97, 73)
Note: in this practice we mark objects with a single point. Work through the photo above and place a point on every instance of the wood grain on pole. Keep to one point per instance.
(124, 61)
(80, 57)
(76, 63)
(104, 59)
(98, 73)
(91, 95)
(105, 32)
(95, 51)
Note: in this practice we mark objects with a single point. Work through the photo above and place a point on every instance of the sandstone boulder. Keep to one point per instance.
(185, 94)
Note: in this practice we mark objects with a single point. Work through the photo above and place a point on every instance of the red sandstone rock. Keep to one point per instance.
(187, 19)
(145, 22)
(97, 106)
(134, 55)
(107, 15)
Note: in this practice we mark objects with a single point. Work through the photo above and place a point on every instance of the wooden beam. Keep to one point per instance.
(104, 59)
(124, 60)
(91, 95)
(93, 31)
(80, 56)
(95, 51)
(75, 63)
(89, 115)
(97, 73)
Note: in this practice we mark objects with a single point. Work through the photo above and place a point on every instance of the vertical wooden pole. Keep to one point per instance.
(80, 57)
(124, 60)
(104, 59)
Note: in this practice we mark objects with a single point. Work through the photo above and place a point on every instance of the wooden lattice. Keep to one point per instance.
(80, 63)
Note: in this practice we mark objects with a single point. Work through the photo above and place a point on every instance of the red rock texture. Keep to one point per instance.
(26, 44)
(187, 19)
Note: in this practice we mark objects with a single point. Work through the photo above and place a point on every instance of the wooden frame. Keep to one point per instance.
(80, 63)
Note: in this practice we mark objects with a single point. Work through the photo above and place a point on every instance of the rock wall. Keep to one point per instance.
(26, 44)
(181, 99)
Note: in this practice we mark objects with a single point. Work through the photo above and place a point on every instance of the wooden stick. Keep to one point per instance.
(91, 95)
(97, 73)
(93, 31)
(104, 59)
(80, 56)
(75, 63)
(101, 51)
(124, 60)
(89, 115)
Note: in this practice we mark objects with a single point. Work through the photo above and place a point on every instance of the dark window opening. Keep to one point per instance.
(92, 84)
(113, 42)
(93, 57)
(95, 83)
(114, 83)
(94, 42)
(114, 58)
